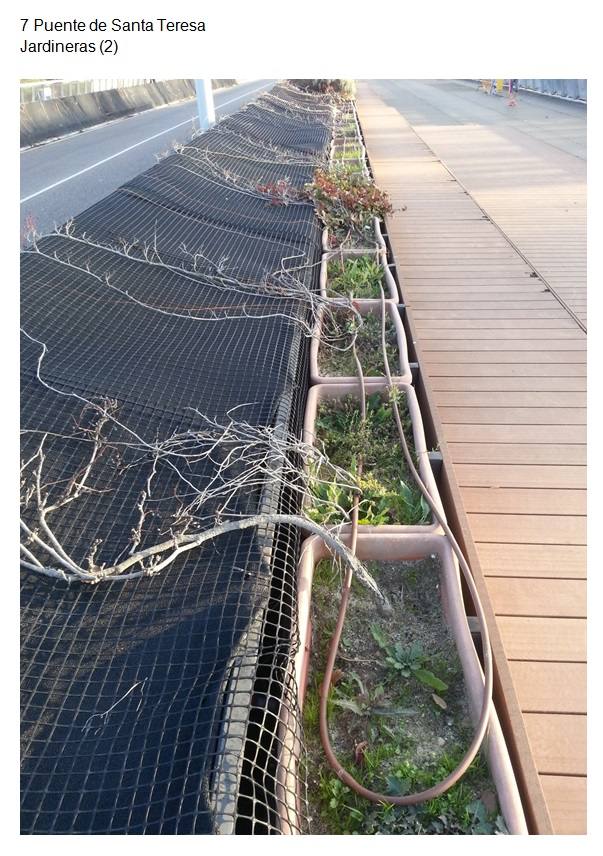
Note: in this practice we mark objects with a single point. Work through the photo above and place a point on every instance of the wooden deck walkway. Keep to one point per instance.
(492, 270)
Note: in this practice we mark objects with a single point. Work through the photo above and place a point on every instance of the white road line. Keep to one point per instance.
(238, 98)
(129, 148)
(104, 160)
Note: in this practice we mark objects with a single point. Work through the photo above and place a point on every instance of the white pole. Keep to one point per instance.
(205, 104)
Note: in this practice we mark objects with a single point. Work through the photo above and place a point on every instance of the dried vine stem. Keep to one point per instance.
(262, 154)
(248, 456)
(225, 180)
(180, 544)
(202, 158)
(283, 287)
(243, 457)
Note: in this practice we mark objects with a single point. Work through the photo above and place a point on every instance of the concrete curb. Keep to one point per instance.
(45, 120)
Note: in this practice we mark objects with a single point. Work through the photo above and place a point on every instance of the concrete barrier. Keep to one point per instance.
(44, 120)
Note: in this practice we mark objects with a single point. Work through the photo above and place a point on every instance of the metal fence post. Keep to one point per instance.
(205, 104)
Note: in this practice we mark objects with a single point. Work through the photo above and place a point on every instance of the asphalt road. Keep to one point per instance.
(63, 177)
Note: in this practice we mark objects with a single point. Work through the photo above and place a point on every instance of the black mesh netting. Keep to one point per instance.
(167, 703)
(264, 123)
(202, 206)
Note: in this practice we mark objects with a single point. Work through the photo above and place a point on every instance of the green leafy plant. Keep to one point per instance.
(387, 494)
(340, 329)
(348, 128)
(483, 823)
(408, 661)
(456, 812)
(379, 505)
(348, 152)
(330, 500)
(338, 805)
(311, 709)
(353, 695)
(360, 277)
(408, 502)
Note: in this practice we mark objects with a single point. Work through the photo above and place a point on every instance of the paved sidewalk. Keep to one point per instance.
(493, 272)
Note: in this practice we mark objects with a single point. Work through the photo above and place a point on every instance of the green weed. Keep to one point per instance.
(457, 812)
(410, 661)
(360, 277)
(348, 151)
(388, 494)
(335, 354)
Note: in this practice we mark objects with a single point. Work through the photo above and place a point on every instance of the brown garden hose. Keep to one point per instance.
(484, 718)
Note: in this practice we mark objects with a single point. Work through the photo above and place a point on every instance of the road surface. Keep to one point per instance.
(61, 178)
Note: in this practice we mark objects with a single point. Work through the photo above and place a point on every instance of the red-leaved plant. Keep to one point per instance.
(347, 202)
(279, 192)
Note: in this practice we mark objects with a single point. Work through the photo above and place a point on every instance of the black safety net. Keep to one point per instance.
(166, 702)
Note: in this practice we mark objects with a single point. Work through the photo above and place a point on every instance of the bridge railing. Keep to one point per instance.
(571, 88)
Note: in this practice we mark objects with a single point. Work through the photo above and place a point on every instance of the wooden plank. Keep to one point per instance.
(520, 475)
(515, 346)
(552, 370)
(517, 335)
(502, 356)
(514, 415)
(553, 454)
(573, 350)
(528, 528)
(542, 434)
(506, 398)
(566, 800)
(558, 742)
(533, 560)
(512, 384)
(508, 312)
(492, 303)
(449, 264)
(432, 325)
(548, 598)
(509, 500)
(423, 253)
(558, 639)
(550, 687)
(513, 293)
